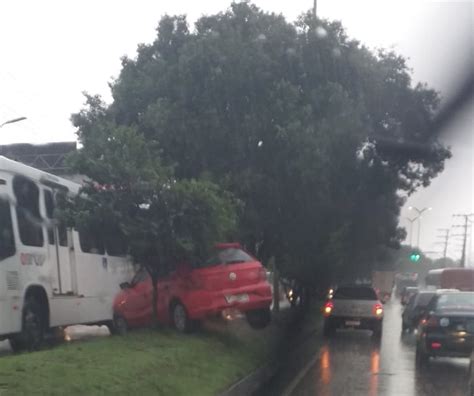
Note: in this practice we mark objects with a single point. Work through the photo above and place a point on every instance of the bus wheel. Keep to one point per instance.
(32, 328)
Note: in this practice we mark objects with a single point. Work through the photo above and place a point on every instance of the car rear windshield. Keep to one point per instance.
(355, 293)
(423, 299)
(455, 301)
(227, 256)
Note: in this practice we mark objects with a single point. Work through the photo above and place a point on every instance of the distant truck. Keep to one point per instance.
(451, 278)
(383, 282)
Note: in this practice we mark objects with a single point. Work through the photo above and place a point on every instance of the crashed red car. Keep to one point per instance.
(230, 281)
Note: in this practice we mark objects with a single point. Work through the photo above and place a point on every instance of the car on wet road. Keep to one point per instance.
(447, 330)
(407, 293)
(356, 307)
(415, 309)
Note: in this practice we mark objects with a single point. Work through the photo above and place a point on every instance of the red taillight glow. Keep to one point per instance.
(378, 309)
(435, 345)
(432, 322)
(327, 309)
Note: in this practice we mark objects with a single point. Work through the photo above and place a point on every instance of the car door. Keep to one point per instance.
(408, 311)
(138, 310)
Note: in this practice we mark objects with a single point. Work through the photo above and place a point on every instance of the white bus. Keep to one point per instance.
(50, 276)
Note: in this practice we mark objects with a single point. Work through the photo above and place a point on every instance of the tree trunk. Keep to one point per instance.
(276, 289)
(154, 303)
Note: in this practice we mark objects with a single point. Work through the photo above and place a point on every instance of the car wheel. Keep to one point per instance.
(328, 330)
(32, 328)
(180, 318)
(258, 318)
(421, 357)
(119, 325)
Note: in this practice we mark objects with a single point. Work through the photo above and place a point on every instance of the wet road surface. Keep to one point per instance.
(352, 363)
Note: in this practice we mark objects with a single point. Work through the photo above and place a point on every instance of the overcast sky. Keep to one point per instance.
(52, 50)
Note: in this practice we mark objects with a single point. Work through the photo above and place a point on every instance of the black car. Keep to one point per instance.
(407, 293)
(448, 327)
(415, 308)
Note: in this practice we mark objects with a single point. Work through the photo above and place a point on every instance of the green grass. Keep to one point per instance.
(142, 363)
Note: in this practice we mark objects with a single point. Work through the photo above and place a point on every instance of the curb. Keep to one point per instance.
(252, 382)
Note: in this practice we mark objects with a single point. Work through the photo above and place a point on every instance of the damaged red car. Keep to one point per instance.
(230, 281)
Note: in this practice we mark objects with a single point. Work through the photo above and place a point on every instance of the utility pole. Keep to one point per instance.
(445, 242)
(315, 8)
(466, 218)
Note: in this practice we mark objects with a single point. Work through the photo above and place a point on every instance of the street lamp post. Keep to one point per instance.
(411, 228)
(420, 212)
(13, 121)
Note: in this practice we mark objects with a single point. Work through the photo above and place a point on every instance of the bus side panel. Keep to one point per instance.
(10, 300)
(462, 279)
(79, 310)
(99, 275)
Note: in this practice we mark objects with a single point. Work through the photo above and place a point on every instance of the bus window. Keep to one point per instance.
(7, 242)
(27, 211)
(116, 243)
(62, 232)
(91, 240)
(49, 203)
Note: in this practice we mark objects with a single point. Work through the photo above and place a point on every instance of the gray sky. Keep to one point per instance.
(53, 50)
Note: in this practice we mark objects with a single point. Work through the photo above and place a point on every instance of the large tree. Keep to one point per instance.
(320, 138)
(136, 200)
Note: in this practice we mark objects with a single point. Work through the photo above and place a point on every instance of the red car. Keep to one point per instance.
(231, 280)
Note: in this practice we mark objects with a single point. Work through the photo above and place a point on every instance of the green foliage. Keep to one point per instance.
(132, 194)
(143, 362)
(300, 123)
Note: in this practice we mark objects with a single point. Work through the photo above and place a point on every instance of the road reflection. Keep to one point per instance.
(353, 363)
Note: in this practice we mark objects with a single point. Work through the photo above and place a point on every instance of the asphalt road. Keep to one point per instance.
(352, 363)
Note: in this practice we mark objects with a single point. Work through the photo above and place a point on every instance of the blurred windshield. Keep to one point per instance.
(227, 256)
(453, 301)
(355, 293)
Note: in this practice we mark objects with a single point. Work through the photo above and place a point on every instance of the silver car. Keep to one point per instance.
(355, 307)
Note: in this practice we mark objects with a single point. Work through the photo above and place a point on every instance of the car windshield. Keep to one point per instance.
(355, 293)
(455, 301)
(227, 256)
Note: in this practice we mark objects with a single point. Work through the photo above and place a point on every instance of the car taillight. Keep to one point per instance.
(378, 309)
(436, 345)
(327, 309)
(431, 322)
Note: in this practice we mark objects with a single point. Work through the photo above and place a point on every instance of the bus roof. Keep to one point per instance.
(17, 168)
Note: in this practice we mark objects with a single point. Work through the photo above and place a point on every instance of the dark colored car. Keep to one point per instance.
(415, 308)
(448, 327)
(407, 293)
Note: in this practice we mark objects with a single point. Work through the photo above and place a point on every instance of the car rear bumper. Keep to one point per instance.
(449, 345)
(202, 303)
(367, 323)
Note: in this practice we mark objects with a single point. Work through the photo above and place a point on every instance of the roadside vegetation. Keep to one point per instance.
(143, 362)
(292, 138)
